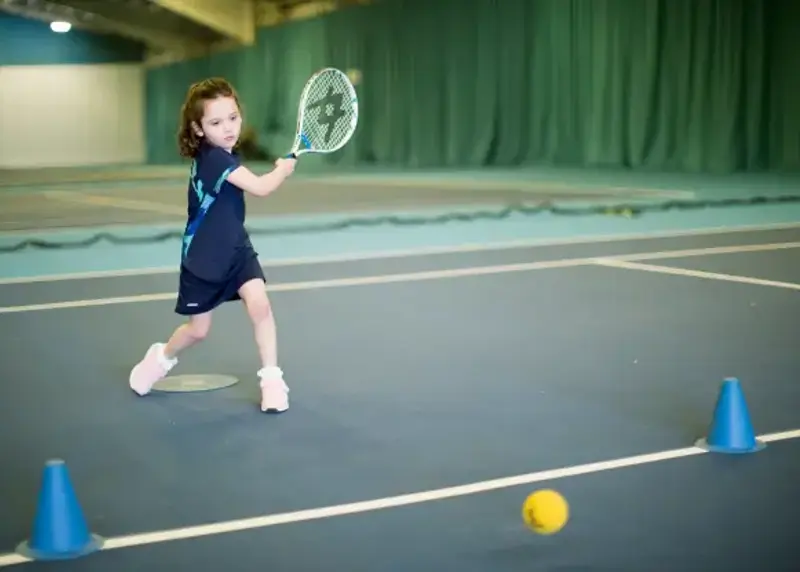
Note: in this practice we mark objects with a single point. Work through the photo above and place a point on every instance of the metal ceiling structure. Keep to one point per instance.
(174, 25)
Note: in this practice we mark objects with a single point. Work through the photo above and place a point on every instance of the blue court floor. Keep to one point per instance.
(421, 384)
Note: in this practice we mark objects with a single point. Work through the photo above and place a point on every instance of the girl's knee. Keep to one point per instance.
(199, 326)
(259, 309)
(255, 299)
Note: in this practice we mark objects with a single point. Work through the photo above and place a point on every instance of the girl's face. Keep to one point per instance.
(222, 123)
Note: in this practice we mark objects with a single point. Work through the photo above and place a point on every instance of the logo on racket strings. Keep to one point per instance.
(330, 111)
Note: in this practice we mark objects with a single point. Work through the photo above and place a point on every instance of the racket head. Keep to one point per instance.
(327, 114)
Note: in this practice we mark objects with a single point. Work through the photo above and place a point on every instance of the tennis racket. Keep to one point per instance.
(327, 115)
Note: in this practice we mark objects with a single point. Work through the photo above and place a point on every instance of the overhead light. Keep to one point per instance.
(60, 27)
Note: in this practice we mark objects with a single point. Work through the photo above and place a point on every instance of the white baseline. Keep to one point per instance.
(417, 276)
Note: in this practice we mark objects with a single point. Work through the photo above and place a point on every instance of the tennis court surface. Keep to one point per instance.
(420, 386)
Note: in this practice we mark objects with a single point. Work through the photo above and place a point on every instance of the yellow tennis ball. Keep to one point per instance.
(545, 511)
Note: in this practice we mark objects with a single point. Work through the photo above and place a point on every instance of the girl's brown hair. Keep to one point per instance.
(192, 111)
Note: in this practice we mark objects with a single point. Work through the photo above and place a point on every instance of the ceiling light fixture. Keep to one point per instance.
(60, 27)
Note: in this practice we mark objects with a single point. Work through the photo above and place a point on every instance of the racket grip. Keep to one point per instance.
(291, 156)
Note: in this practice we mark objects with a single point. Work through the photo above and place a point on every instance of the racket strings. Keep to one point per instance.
(329, 115)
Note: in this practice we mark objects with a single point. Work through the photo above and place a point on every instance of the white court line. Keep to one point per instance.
(694, 273)
(711, 250)
(408, 276)
(414, 252)
(523, 186)
(113, 202)
(231, 526)
(316, 284)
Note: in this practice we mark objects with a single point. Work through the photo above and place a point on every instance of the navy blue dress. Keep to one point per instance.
(217, 257)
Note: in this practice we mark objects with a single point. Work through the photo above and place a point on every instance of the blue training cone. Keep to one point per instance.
(731, 430)
(59, 529)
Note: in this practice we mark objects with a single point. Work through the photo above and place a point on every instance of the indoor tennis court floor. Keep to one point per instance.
(430, 395)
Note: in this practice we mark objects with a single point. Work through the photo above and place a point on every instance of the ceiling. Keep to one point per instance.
(173, 25)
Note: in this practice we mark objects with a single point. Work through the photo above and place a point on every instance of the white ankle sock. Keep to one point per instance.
(162, 358)
(270, 373)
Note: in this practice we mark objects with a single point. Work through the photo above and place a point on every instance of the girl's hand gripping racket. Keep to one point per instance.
(327, 115)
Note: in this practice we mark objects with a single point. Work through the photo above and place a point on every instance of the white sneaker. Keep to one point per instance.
(274, 391)
(152, 369)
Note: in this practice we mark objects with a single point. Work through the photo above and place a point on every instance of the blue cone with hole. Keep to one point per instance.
(59, 531)
(731, 429)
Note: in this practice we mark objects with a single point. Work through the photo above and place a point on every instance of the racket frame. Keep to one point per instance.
(300, 139)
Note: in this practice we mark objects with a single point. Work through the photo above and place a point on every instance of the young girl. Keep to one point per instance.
(218, 262)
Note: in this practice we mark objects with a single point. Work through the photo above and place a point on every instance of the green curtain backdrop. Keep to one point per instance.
(687, 85)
